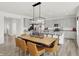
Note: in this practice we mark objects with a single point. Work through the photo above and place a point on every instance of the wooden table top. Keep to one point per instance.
(46, 41)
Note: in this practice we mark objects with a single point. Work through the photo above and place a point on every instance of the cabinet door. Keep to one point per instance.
(78, 32)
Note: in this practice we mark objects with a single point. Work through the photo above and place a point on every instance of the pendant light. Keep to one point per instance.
(34, 5)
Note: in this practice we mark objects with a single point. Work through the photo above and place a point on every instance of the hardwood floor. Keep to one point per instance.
(69, 48)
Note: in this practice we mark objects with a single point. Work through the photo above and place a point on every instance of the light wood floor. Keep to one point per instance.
(69, 48)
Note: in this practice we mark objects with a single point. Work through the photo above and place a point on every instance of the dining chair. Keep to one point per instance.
(22, 45)
(53, 50)
(34, 50)
(17, 42)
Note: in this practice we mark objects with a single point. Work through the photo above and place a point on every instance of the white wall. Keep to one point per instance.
(1, 30)
(19, 23)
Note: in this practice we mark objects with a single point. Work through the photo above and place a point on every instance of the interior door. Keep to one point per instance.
(9, 26)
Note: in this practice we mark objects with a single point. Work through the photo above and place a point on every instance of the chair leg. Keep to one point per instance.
(53, 54)
(19, 51)
(56, 53)
(45, 53)
(25, 53)
(28, 53)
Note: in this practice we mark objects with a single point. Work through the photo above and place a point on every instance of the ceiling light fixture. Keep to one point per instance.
(34, 5)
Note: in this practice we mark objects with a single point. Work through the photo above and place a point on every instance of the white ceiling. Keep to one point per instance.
(48, 9)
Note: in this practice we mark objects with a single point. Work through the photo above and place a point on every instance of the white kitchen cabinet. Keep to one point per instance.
(78, 32)
(77, 26)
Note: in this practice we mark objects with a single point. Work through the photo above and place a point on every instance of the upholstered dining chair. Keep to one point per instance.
(34, 50)
(21, 44)
(53, 50)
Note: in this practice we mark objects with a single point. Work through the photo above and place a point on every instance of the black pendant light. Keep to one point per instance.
(34, 5)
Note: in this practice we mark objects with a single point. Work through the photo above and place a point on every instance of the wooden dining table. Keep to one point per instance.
(46, 41)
